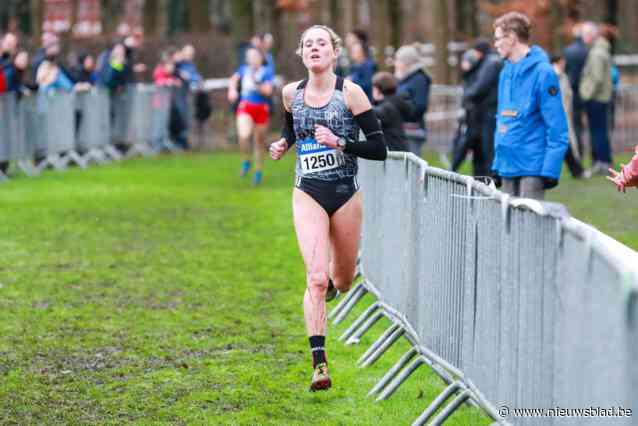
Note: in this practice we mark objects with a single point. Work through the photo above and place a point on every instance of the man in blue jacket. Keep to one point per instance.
(531, 127)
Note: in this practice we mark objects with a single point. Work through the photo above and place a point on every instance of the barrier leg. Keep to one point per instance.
(393, 371)
(27, 167)
(385, 345)
(343, 312)
(451, 408)
(360, 320)
(356, 337)
(405, 373)
(113, 153)
(437, 403)
(377, 343)
(76, 158)
(96, 155)
(352, 294)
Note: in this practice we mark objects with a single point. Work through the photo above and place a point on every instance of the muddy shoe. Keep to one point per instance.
(320, 378)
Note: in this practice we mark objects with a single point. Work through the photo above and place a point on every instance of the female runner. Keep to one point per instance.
(323, 115)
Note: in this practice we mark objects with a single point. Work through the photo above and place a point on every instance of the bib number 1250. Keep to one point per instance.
(319, 161)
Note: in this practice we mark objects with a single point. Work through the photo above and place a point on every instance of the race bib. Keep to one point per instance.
(315, 157)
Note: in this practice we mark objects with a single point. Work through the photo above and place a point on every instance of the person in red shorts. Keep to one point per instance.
(252, 84)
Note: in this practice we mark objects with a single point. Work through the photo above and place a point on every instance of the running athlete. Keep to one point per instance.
(253, 111)
(323, 115)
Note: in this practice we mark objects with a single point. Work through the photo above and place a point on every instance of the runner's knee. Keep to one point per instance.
(318, 282)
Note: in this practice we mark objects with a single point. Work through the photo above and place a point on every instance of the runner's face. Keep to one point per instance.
(253, 58)
(318, 53)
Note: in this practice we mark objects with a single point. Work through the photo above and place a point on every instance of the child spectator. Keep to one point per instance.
(391, 109)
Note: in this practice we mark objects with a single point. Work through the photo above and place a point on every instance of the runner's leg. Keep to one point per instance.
(312, 228)
(260, 136)
(244, 131)
(345, 232)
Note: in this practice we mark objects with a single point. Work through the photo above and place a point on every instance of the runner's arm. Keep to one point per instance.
(373, 148)
(288, 131)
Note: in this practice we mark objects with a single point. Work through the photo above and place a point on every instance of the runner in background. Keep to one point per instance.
(253, 111)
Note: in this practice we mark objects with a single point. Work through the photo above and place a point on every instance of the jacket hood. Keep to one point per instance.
(601, 43)
(534, 57)
(401, 103)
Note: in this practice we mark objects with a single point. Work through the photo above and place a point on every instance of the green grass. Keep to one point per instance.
(167, 291)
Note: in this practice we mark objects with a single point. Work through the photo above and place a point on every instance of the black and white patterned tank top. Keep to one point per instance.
(314, 160)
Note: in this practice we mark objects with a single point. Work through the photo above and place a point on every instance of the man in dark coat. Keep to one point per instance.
(575, 55)
(482, 94)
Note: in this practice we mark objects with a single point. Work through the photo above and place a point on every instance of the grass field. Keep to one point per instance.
(167, 291)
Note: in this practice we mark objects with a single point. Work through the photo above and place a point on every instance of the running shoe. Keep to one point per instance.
(257, 179)
(332, 292)
(245, 167)
(320, 378)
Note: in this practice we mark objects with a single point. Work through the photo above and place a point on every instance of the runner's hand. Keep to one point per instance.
(278, 149)
(325, 137)
(232, 95)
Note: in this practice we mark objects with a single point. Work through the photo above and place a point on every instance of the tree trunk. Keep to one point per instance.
(199, 16)
(242, 22)
(439, 34)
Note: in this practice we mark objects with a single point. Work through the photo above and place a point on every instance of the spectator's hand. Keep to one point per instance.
(139, 68)
(278, 149)
(617, 178)
(82, 87)
(233, 95)
(325, 137)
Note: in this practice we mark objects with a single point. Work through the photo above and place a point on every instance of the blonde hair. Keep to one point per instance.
(334, 38)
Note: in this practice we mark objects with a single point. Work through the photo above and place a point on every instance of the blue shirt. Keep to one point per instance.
(531, 126)
(250, 81)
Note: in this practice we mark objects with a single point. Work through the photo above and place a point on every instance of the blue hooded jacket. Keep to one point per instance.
(531, 125)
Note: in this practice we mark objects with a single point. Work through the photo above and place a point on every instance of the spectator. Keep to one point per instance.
(391, 109)
(114, 73)
(16, 75)
(480, 98)
(531, 135)
(344, 62)
(179, 102)
(628, 175)
(572, 157)
(48, 40)
(186, 68)
(164, 73)
(50, 78)
(84, 72)
(575, 57)
(463, 141)
(415, 83)
(8, 49)
(595, 91)
(268, 42)
(361, 68)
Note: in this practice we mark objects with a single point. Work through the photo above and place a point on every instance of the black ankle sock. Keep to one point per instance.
(317, 346)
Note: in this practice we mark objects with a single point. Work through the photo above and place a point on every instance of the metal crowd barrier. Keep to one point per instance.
(512, 302)
(53, 129)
